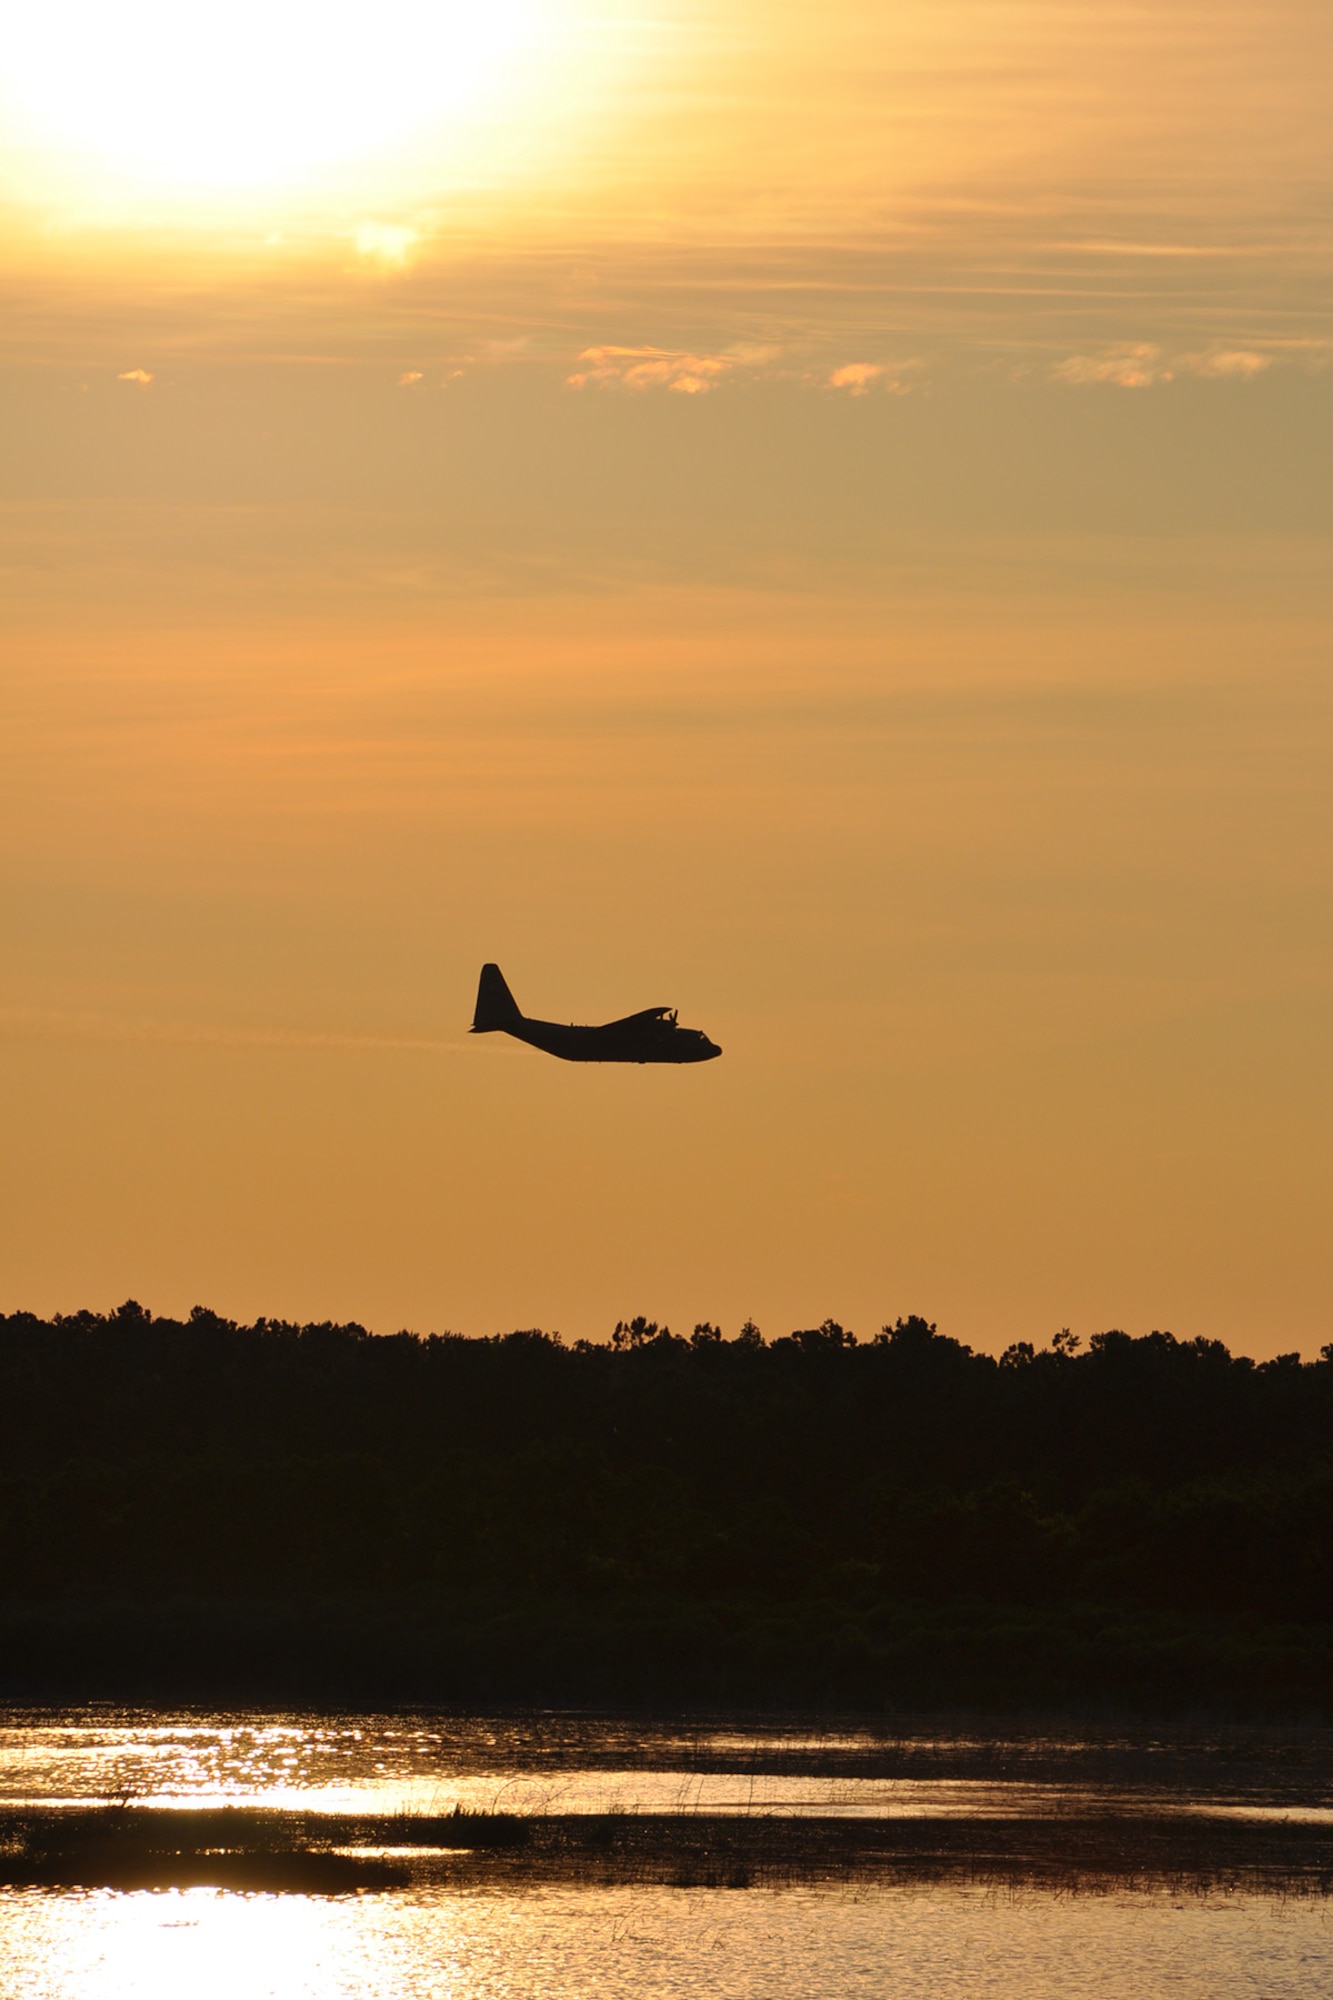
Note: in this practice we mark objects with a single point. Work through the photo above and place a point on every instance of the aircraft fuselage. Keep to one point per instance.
(639, 1039)
(653, 1036)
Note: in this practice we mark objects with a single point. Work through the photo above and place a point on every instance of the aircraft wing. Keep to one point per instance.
(646, 1018)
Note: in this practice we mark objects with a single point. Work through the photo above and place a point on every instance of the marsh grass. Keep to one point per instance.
(134, 1846)
(463, 1827)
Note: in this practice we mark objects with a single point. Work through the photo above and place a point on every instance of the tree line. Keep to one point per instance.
(152, 1458)
(201, 1453)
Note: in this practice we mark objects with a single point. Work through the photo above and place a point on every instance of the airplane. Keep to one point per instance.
(650, 1037)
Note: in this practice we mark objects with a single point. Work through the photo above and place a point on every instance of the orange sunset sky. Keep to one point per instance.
(814, 516)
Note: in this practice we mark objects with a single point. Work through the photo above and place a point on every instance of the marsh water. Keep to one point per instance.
(999, 1930)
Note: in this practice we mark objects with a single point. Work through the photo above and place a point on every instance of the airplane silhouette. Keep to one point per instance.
(650, 1037)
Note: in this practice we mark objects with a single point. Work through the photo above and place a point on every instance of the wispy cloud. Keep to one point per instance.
(1126, 366)
(689, 374)
(652, 368)
(1142, 365)
(409, 378)
(1115, 247)
(141, 377)
(1235, 363)
(858, 378)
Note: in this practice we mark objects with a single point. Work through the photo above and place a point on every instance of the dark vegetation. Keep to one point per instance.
(139, 1847)
(205, 1509)
(120, 1844)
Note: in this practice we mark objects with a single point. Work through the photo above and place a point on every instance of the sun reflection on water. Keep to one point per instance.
(429, 1764)
(511, 1937)
(927, 1943)
(200, 1943)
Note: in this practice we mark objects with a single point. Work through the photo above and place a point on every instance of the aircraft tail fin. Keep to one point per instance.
(496, 1005)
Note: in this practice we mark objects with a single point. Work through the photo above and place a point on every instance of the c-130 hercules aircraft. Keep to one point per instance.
(650, 1037)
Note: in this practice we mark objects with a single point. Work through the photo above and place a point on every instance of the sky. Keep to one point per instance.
(819, 518)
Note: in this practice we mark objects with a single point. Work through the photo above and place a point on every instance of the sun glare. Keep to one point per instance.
(252, 96)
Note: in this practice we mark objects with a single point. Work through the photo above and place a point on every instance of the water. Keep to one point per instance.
(198, 1944)
(543, 1940)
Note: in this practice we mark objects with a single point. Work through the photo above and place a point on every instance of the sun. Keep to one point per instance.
(253, 96)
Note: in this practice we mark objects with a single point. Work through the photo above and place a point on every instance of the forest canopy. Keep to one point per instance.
(156, 1461)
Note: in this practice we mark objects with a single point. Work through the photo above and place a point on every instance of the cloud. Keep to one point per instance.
(1101, 246)
(1141, 366)
(1137, 366)
(1234, 363)
(391, 242)
(411, 375)
(140, 376)
(652, 368)
(858, 378)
